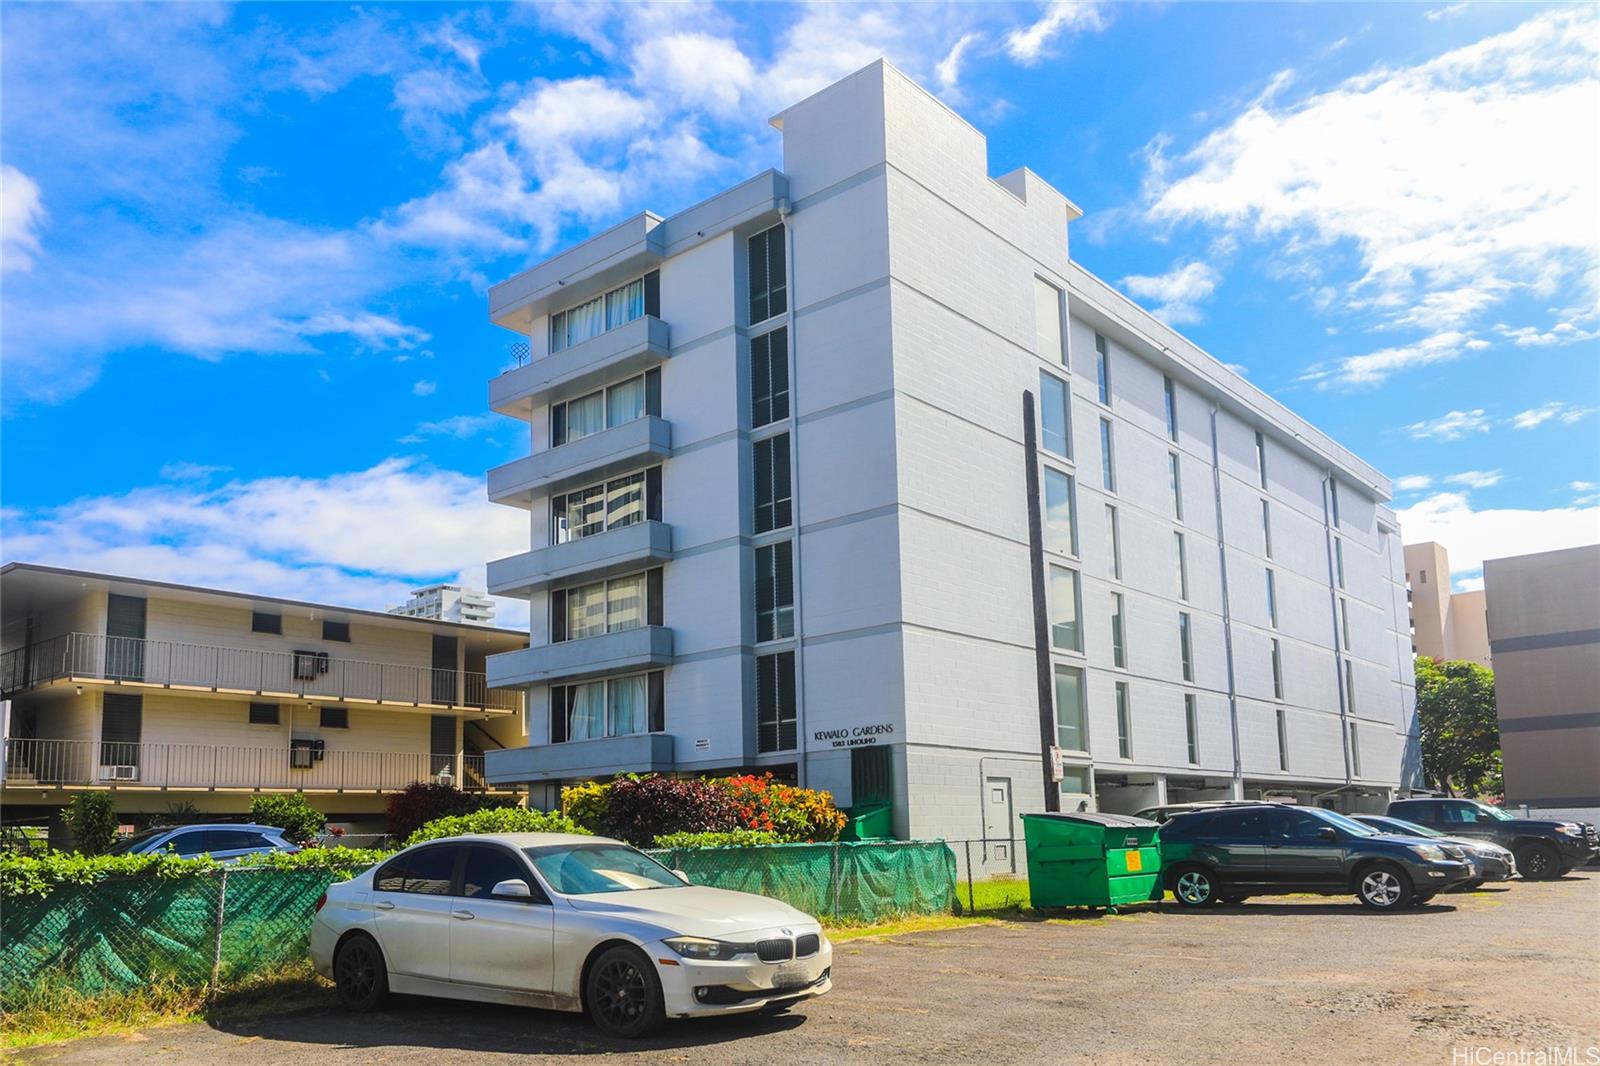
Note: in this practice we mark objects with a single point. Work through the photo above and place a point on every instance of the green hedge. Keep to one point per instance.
(497, 820)
(36, 876)
(739, 838)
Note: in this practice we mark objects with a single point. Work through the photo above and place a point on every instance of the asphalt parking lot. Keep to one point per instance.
(1295, 980)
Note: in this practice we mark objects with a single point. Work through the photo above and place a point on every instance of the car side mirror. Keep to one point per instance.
(680, 875)
(513, 888)
(1327, 832)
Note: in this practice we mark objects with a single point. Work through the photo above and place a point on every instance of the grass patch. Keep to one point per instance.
(51, 1013)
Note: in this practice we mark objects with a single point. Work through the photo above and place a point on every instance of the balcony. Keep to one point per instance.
(598, 555)
(613, 653)
(40, 764)
(629, 349)
(599, 757)
(617, 450)
(94, 658)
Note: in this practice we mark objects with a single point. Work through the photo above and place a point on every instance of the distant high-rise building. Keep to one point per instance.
(1444, 624)
(449, 603)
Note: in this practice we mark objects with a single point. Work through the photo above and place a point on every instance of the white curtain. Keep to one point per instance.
(625, 501)
(625, 603)
(625, 402)
(628, 697)
(586, 415)
(586, 320)
(624, 304)
(586, 611)
(588, 711)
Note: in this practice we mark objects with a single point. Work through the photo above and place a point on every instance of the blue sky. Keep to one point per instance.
(246, 249)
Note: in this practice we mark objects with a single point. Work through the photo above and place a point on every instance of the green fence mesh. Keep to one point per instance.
(865, 881)
(122, 933)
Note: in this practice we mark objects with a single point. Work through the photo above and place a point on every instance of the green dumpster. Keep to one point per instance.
(869, 821)
(1091, 860)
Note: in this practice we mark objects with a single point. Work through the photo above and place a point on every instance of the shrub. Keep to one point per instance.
(423, 802)
(93, 822)
(181, 812)
(37, 875)
(292, 812)
(586, 803)
(738, 838)
(794, 814)
(496, 820)
(640, 809)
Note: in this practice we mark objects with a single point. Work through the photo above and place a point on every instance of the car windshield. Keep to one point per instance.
(123, 847)
(1494, 812)
(1413, 829)
(1349, 825)
(590, 869)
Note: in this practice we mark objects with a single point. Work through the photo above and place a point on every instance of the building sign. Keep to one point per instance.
(1056, 771)
(854, 736)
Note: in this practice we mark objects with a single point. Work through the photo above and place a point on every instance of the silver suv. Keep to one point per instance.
(223, 841)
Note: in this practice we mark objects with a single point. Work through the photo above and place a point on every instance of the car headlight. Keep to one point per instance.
(698, 947)
(1428, 852)
(1570, 830)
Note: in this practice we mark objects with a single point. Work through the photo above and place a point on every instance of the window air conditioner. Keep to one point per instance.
(119, 773)
(303, 752)
(309, 664)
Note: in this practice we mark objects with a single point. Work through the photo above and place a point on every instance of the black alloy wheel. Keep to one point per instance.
(359, 974)
(623, 995)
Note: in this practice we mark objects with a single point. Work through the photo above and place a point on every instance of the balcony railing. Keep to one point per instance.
(307, 674)
(57, 763)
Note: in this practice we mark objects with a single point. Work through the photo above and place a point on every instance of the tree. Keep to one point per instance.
(1460, 732)
(293, 813)
(92, 817)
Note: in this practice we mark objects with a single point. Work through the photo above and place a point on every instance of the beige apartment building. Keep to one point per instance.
(167, 694)
(1544, 629)
(1444, 624)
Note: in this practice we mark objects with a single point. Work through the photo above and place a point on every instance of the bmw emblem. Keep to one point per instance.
(787, 932)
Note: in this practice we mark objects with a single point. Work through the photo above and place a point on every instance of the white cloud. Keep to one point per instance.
(1532, 337)
(186, 471)
(1476, 479)
(1177, 293)
(1584, 486)
(1535, 417)
(697, 70)
(1449, 11)
(949, 68)
(1027, 45)
(1412, 482)
(21, 216)
(461, 427)
(1402, 165)
(1451, 426)
(306, 538)
(1472, 583)
(1374, 368)
(1471, 536)
(425, 388)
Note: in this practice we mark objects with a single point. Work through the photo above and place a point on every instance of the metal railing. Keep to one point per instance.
(55, 763)
(305, 674)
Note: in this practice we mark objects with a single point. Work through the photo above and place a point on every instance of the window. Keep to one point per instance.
(1261, 459)
(613, 707)
(776, 722)
(773, 504)
(1114, 541)
(187, 845)
(1333, 500)
(621, 305)
(1176, 476)
(218, 840)
(1047, 321)
(1247, 825)
(1277, 670)
(1272, 598)
(1283, 739)
(427, 871)
(609, 606)
(1355, 751)
(612, 504)
(1185, 646)
(1060, 512)
(1424, 573)
(1183, 566)
(1338, 563)
(1266, 527)
(1065, 630)
(488, 866)
(1119, 652)
(263, 622)
(626, 401)
(1191, 725)
(775, 591)
(769, 378)
(1350, 686)
(769, 292)
(1344, 621)
(1171, 397)
(1055, 415)
(1108, 476)
(1071, 731)
(335, 717)
(1102, 369)
(1124, 736)
(263, 714)
(339, 631)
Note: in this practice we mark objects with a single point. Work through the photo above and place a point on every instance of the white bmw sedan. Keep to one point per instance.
(576, 923)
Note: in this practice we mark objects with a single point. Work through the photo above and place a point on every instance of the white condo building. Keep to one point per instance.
(852, 474)
(448, 603)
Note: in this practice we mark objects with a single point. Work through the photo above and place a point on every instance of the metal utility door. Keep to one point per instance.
(125, 637)
(998, 821)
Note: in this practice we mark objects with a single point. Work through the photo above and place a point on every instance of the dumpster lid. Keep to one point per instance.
(1117, 821)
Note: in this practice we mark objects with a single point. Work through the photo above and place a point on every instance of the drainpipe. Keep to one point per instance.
(1227, 610)
(801, 770)
(1041, 618)
(1338, 649)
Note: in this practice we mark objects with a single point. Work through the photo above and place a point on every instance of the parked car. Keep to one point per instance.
(1168, 810)
(1490, 862)
(1545, 848)
(564, 922)
(1228, 854)
(223, 841)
